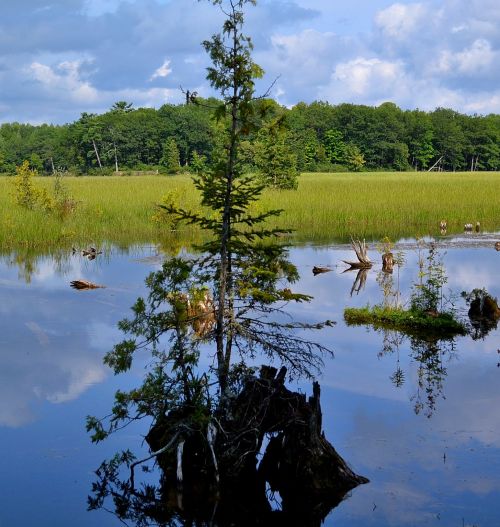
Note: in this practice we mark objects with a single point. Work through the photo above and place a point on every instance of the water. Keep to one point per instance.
(433, 457)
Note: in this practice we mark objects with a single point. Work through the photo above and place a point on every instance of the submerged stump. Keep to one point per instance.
(220, 463)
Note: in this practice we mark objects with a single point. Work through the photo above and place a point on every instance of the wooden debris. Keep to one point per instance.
(319, 270)
(361, 251)
(387, 262)
(85, 285)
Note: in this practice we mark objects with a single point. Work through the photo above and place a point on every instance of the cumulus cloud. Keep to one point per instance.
(82, 55)
(64, 78)
(399, 20)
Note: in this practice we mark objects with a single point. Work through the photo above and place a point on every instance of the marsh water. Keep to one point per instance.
(421, 420)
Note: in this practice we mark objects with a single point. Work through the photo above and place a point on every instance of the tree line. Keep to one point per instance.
(308, 137)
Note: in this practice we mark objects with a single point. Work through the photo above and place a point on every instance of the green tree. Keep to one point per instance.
(275, 161)
(335, 146)
(170, 158)
(228, 296)
(353, 158)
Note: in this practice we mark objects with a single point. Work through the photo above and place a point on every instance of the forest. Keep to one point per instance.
(316, 137)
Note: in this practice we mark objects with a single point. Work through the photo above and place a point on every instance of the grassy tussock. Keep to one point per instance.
(410, 322)
(326, 207)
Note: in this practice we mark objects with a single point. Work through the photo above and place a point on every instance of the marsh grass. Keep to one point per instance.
(410, 322)
(326, 207)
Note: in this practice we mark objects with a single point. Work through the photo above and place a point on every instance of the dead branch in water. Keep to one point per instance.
(84, 285)
(359, 247)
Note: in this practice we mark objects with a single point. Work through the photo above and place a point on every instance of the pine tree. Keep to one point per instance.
(230, 296)
(276, 162)
(170, 158)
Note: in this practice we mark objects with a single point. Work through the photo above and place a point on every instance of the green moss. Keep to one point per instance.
(410, 322)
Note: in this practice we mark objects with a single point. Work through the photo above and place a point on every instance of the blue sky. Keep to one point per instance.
(59, 58)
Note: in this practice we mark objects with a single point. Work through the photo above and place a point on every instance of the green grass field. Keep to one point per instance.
(326, 207)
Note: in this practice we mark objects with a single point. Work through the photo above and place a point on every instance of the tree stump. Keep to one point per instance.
(298, 462)
(387, 262)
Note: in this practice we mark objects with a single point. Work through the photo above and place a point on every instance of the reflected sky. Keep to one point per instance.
(441, 470)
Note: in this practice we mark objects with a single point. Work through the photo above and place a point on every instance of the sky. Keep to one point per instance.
(59, 58)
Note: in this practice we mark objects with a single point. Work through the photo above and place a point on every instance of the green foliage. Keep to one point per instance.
(353, 158)
(320, 136)
(170, 158)
(64, 203)
(26, 193)
(31, 196)
(410, 322)
(427, 295)
(276, 163)
(162, 217)
(425, 316)
(225, 296)
(335, 146)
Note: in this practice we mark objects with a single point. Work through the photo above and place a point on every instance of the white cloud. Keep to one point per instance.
(401, 20)
(163, 71)
(361, 75)
(472, 60)
(64, 79)
(423, 54)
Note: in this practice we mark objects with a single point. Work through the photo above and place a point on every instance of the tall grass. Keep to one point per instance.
(326, 207)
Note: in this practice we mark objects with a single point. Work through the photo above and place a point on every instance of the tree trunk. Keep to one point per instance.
(97, 154)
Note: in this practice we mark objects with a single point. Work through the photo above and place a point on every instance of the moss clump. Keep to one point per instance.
(411, 322)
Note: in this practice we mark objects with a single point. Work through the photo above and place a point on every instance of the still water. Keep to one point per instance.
(426, 435)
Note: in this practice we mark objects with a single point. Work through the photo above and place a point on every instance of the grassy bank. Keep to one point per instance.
(326, 207)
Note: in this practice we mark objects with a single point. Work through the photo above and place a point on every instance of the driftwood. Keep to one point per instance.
(361, 251)
(84, 285)
(319, 270)
(219, 464)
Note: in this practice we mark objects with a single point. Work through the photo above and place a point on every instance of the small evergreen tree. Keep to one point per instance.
(170, 158)
(275, 161)
(231, 296)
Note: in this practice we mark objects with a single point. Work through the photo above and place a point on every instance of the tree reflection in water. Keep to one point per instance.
(430, 354)
(166, 506)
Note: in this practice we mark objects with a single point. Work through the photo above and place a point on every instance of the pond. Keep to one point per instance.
(420, 421)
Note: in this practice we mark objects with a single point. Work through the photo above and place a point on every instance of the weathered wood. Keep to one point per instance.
(84, 284)
(387, 262)
(361, 251)
(320, 270)
(298, 461)
(484, 307)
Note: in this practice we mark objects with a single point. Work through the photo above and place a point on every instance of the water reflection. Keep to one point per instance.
(430, 355)
(359, 281)
(52, 340)
(164, 506)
